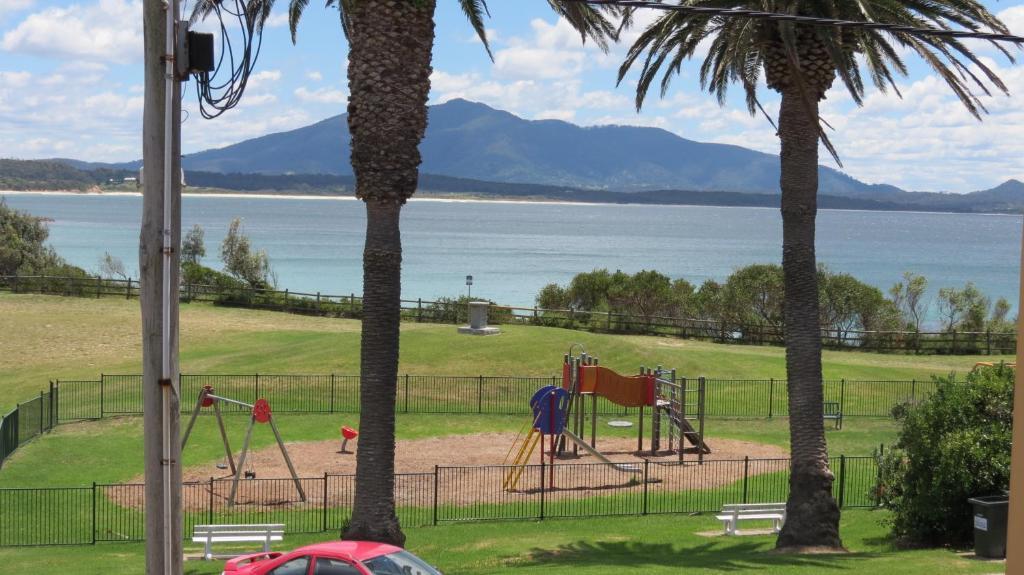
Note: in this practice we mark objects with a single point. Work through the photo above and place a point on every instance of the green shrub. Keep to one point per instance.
(952, 446)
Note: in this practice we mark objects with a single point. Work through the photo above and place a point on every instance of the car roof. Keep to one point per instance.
(358, 550)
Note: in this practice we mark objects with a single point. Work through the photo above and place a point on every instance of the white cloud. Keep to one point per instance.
(321, 95)
(108, 30)
(12, 6)
(315, 76)
(277, 20)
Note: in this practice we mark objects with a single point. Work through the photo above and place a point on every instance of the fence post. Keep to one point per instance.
(93, 513)
(352, 305)
(542, 487)
(99, 285)
(318, 303)
(40, 413)
(913, 391)
(647, 465)
(746, 475)
(771, 397)
(102, 385)
(407, 393)
(128, 290)
(480, 394)
(332, 393)
(52, 388)
(988, 341)
(209, 511)
(436, 481)
(842, 481)
(419, 310)
(325, 501)
(842, 399)
(256, 398)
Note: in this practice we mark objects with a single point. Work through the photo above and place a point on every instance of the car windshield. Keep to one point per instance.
(399, 563)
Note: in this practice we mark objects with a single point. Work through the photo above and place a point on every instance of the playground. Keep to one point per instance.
(443, 440)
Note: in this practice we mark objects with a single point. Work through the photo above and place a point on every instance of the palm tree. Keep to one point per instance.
(390, 50)
(800, 62)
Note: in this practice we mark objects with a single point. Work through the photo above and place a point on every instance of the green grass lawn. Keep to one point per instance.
(47, 337)
(604, 546)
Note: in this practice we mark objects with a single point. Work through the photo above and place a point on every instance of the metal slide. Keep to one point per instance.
(624, 467)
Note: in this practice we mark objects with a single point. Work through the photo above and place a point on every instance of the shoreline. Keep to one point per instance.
(461, 200)
(265, 196)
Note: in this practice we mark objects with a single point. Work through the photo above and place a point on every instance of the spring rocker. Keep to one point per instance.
(258, 413)
(347, 434)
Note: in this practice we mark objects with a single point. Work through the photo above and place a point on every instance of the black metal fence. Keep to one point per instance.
(448, 311)
(27, 421)
(114, 512)
(480, 394)
(114, 395)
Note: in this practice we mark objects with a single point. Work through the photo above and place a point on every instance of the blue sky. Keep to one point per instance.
(70, 86)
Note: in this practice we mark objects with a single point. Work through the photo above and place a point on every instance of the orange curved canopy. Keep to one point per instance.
(627, 391)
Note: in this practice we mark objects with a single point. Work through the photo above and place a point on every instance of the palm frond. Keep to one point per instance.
(475, 10)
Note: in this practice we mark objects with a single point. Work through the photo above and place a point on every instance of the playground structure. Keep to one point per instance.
(259, 412)
(560, 415)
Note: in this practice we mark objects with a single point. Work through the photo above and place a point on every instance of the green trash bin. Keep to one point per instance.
(990, 517)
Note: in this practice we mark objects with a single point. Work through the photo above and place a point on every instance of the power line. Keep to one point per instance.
(809, 20)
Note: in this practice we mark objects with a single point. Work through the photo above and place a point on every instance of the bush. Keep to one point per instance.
(953, 445)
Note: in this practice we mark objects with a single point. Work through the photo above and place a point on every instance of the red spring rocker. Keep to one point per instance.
(347, 433)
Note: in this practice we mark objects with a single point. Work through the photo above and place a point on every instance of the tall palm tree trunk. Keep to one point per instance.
(812, 516)
(389, 79)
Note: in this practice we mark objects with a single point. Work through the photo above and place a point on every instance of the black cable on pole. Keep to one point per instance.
(809, 20)
(218, 93)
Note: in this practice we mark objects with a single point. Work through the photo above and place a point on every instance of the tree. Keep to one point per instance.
(112, 267)
(241, 261)
(390, 52)
(908, 296)
(754, 295)
(963, 309)
(23, 248)
(193, 250)
(954, 445)
(800, 62)
(552, 296)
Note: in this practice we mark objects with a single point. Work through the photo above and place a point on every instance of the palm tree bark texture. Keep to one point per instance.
(812, 515)
(389, 80)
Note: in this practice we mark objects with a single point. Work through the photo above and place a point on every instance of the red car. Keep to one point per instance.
(333, 558)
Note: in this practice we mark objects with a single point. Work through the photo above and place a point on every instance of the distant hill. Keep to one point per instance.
(470, 140)
(473, 149)
(51, 175)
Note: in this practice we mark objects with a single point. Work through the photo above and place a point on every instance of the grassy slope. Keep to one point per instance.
(45, 337)
(602, 546)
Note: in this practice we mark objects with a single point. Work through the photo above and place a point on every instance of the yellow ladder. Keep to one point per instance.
(521, 459)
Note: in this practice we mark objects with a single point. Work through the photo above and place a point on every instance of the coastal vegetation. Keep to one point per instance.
(23, 248)
(953, 445)
(752, 298)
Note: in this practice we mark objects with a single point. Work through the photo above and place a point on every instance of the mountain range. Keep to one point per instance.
(477, 149)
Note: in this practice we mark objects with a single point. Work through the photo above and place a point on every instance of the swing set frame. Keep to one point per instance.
(259, 412)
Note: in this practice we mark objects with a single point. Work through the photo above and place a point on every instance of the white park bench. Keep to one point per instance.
(210, 534)
(733, 513)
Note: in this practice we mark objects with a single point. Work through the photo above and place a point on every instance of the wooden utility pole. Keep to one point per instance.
(1015, 531)
(158, 290)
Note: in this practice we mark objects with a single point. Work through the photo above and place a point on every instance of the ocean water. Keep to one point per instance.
(513, 249)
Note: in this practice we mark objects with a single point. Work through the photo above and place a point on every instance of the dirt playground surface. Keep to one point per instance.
(471, 472)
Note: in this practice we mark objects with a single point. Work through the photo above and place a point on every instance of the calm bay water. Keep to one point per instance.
(514, 249)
